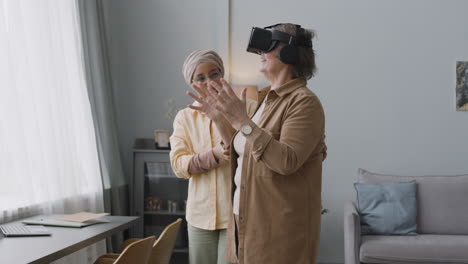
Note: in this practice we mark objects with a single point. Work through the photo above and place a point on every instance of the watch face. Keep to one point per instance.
(246, 130)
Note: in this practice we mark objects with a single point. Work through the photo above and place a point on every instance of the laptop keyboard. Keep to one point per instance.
(15, 230)
(12, 230)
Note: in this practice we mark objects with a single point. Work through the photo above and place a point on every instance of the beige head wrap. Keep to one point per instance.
(197, 57)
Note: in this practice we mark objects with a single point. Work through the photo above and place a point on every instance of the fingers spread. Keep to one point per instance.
(227, 87)
(199, 89)
(196, 98)
(212, 91)
(244, 94)
(198, 108)
(216, 87)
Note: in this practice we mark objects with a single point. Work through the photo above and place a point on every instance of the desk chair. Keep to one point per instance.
(137, 252)
(162, 248)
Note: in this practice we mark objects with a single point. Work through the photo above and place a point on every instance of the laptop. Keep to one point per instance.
(19, 230)
(62, 223)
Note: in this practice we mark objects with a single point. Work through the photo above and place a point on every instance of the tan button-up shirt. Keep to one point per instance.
(280, 193)
(208, 192)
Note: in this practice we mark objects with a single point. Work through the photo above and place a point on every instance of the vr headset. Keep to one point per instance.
(264, 40)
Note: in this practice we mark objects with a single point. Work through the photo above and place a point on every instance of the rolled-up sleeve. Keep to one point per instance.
(301, 132)
(202, 162)
(181, 153)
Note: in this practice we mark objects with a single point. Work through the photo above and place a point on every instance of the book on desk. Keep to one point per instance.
(80, 219)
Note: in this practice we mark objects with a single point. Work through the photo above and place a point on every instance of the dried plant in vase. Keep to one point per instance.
(172, 109)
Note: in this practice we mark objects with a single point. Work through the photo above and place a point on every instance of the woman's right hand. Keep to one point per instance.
(220, 153)
(207, 102)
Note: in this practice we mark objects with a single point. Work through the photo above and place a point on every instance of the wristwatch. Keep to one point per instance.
(246, 130)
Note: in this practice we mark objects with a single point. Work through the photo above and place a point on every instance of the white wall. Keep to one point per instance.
(386, 79)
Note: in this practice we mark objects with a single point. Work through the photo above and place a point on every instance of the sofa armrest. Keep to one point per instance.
(352, 233)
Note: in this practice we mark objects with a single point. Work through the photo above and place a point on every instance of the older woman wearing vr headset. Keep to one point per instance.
(196, 154)
(276, 156)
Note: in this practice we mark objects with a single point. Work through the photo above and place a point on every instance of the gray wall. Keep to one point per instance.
(386, 79)
(148, 42)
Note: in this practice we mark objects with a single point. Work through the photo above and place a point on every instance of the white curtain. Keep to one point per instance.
(48, 155)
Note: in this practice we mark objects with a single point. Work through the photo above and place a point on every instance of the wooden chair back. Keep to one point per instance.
(162, 248)
(137, 252)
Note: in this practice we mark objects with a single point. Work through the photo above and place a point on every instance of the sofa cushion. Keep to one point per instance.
(421, 249)
(387, 208)
(442, 201)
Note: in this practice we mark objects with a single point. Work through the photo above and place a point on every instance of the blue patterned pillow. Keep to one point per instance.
(387, 208)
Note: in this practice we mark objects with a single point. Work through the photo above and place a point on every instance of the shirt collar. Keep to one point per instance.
(282, 90)
(262, 94)
(289, 87)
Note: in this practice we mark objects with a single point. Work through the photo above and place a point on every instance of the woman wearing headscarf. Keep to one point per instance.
(196, 155)
(276, 155)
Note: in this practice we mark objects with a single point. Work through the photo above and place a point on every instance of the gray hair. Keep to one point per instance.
(197, 57)
(306, 67)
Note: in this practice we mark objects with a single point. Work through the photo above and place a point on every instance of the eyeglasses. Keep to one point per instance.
(212, 76)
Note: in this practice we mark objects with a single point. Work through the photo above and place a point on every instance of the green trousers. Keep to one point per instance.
(206, 246)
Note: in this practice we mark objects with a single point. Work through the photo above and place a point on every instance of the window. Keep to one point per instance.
(47, 142)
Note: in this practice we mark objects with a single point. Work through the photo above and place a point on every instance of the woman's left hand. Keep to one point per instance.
(231, 107)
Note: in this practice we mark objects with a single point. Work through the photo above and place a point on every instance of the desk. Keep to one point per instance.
(64, 241)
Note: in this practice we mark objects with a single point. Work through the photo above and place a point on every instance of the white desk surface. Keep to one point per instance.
(64, 240)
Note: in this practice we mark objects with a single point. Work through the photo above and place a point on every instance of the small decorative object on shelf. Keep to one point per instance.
(153, 203)
(161, 139)
(171, 206)
(172, 109)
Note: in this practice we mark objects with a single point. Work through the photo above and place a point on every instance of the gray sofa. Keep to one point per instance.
(442, 224)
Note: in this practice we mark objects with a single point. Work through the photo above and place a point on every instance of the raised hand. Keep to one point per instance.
(228, 104)
(207, 102)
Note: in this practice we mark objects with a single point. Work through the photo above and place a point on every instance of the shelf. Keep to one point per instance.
(147, 145)
(154, 178)
(163, 177)
(164, 212)
(180, 250)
